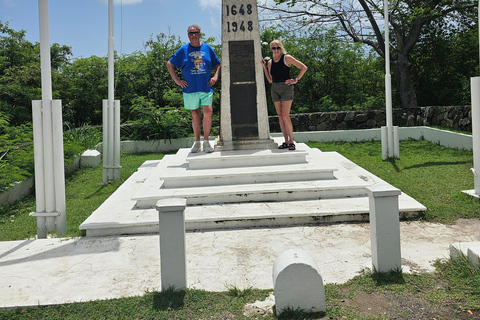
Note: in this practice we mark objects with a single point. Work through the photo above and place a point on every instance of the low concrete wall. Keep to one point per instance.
(153, 145)
(451, 117)
(442, 137)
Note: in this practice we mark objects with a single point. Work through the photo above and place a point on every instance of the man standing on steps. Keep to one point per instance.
(197, 59)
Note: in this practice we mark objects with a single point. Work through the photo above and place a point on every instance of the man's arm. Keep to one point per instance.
(173, 74)
(214, 79)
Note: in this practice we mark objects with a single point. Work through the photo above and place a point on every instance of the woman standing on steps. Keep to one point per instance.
(278, 74)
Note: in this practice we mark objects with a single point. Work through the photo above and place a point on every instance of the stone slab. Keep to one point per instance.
(470, 250)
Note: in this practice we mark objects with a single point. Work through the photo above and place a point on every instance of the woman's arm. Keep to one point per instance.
(267, 72)
(289, 60)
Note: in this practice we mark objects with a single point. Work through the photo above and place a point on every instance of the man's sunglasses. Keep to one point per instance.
(276, 48)
(194, 33)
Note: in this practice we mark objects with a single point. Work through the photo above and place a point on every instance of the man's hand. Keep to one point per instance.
(212, 81)
(181, 83)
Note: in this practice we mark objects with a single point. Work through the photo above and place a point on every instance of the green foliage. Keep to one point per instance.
(16, 153)
(340, 75)
(154, 123)
(86, 136)
(446, 57)
(20, 73)
(87, 87)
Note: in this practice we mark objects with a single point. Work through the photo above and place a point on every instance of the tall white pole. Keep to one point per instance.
(388, 84)
(46, 76)
(111, 118)
(110, 54)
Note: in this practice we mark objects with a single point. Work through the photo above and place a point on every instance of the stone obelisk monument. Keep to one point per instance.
(243, 112)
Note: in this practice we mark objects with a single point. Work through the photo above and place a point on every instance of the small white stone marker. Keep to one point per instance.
(90, 159)
(384, 227)
(173, 266)
(297, 283)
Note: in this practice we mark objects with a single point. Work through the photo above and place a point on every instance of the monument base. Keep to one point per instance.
(246, 144)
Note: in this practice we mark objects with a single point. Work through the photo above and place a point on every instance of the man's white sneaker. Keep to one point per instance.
(207, 147)
(196, 147)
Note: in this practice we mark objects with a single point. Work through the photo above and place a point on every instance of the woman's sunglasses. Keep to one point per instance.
(276, 48)
(194, 33)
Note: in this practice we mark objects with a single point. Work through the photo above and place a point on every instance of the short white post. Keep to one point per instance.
(475, 96)
(390, 142)
(111, 141)
(171, 222)
(384, 227)
(297, 283)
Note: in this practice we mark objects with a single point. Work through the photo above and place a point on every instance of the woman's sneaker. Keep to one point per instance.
(207, 147)
(196, 147)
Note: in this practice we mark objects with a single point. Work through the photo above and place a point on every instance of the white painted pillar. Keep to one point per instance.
(297, 283)
(111, 115)
(46, 73)
(475, 96)
(384, 227)
(390, 144)
(171, 222)
(48, 144)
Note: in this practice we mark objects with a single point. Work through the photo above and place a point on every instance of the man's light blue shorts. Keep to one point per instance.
(195, 100)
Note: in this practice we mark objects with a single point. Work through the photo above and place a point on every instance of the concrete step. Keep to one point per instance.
(183, 177)
(245, 158)
(259, 192)
(242, 205)
(248, 215)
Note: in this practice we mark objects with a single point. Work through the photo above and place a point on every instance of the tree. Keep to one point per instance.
(20, 79)
(446, 57)
(361, 21)
(340, 74)
(87, 87)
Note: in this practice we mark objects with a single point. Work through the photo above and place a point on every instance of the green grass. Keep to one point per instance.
(433, 175)
(84, 192)
(171, 304)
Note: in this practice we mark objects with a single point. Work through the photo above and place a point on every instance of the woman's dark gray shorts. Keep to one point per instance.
(282, 92)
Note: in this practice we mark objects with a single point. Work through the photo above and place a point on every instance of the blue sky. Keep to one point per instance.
(83, 24)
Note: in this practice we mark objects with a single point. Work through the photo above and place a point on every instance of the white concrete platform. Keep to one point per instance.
(227, 245)
(52, 271)
(317, 187)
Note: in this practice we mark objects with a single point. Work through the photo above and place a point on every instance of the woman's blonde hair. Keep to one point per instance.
(280, 44)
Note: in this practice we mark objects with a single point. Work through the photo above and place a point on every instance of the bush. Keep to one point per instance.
(155, 123)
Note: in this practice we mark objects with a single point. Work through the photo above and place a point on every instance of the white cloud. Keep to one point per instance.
(214, 22)
(206, 4)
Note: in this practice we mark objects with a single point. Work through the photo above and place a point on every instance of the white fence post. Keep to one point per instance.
(173, 265)
(49, 168)
(475, 96)
(111, 141)
(384, 227)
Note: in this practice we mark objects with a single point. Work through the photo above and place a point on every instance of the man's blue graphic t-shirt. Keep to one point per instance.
(196, 64)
